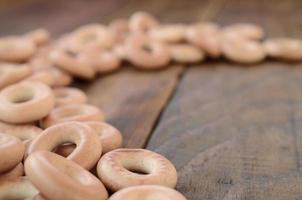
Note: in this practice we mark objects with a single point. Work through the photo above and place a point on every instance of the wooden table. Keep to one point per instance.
(232, 131)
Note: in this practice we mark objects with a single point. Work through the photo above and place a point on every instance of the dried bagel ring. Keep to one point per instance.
(123, 168)
(246, 30)
(186, 53)
(60, 78)
(169, 33)
(42, 76)
(145, 53)
(145, 192)
(206, 36)
(24, 102)
(76, 112)
(13, 73)
(142, 22)
(242, 50)
(39, 36)
(20, 188)
(40, 60)
(90, 36)
(50, 173)
(72, 64)
(17, 171)
(120, 29)
(88, 146)
(110, 137)
(102, 61)
(68, 96)
(16, 49)
(11, 152)
(284, 48)
(25, 133)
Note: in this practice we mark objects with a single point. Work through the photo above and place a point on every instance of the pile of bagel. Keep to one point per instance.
(56, 146)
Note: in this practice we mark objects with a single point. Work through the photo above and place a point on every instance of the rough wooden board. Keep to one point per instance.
(278, 188)
(215, 104)
(132, 100)
(55, 15)
(228, 125)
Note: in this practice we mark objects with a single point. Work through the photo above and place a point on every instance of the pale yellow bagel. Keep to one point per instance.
(76, 112)
(60, 179)
(72, 64)
(60, 78)
(246, 30)
(88, 147)
(123, 168)
(15, 172)
(24, 102)
(147, 192)
(110, 137)
(157, 56)
(11, 152)
(242, 50)
(169, 33)
(102, 61)
(25, 133)
(90, 36)
(42, 76)
(186, 53)
(16, 49)
(142, 22)
(19, 188)
(207, 36)
(289, 49)
(13, 73)
(120, 29)
(40, 60)
(120, 51)
(69, 96)
(39, 36)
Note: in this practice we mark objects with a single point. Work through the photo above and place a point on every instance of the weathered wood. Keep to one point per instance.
(277, 188)
(56, 16)
(132, 100)
(228, 126)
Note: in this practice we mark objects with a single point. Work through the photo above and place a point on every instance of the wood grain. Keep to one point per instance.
(132, 100)
(232, 130)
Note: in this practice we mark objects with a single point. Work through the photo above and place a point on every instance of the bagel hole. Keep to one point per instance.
(71, 53)
(64, 149)
(137, 170)
(147, 48)
(22, 96)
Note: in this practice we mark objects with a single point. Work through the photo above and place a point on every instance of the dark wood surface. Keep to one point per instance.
(233, 132)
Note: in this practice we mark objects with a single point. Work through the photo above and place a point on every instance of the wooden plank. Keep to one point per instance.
(56, 16)
(231, 125)
(132, 100)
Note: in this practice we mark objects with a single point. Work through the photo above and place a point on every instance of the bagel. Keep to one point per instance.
(62, 179)
(88, 147)
(11, 152)
(26, 101)
(146, 192)
(75, 112)
(123, 168)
